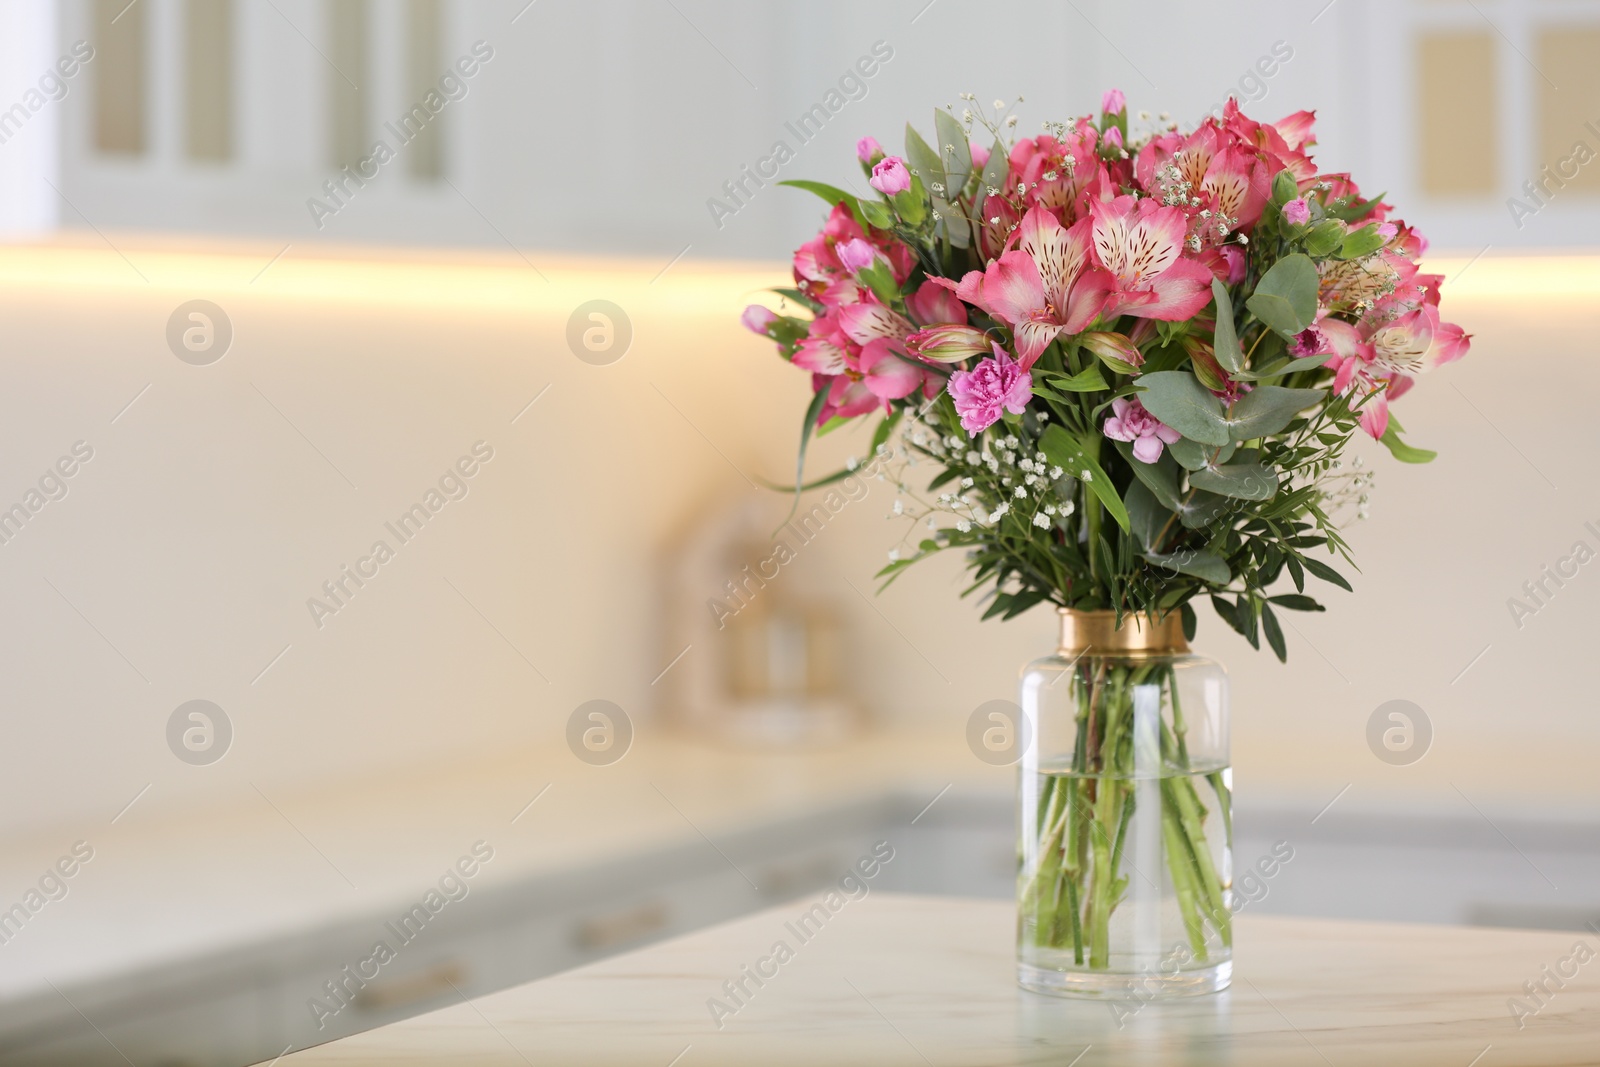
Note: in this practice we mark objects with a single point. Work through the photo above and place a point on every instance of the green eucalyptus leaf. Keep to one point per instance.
(1066, 452)
(923, 160)
(1286, 296)
(1201, 509)
(1403, 452)
(954, 152)
(1161, 477)
(1266, 409)
(1227, 350)
(1195, 562)
(1193, 457)
(994, 171)
(1178, 399)
(1244, 481)
(1146, 516)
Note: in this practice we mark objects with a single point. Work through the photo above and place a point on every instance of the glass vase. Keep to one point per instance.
(1125, 820)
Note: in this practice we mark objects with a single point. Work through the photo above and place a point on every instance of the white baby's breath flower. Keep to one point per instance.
(963, 526)
(1056, 472)
(1020, 493)
(852, 463)
(1042, 521)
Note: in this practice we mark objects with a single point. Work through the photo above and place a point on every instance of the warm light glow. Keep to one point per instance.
(1520, 277)
(447, 280)
(504, 282)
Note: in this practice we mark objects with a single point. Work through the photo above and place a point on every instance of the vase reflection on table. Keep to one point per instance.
(1125, 820)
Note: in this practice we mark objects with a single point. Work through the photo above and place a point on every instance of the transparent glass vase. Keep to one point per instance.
(1125, 821)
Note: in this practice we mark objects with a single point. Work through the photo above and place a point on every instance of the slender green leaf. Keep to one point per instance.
(1324, 237)
(1296, 602)
(1403, 452)
(1269, 626)
(1325, 572)
(1089, 380)
(1066, 452)
(831, 194)
(1363, 242)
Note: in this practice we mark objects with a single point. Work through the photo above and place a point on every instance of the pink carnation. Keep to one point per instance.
(868, 150)
(1113, 102)
(1297, 211)
(1131, 422)
(993, 386)
(890, 176)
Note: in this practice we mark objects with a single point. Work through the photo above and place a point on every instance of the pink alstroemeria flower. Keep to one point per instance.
(890, 176)
(980, 154)
(995, 385)
(1046, 286)
(933, 304)
(1141, 244)
(1129, 421)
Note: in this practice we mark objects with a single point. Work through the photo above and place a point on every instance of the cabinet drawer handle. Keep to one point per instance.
(413, 989)
(605, 931)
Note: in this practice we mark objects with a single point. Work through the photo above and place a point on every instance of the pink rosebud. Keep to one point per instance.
(1131, 422)
(890, 176)
(757, 319)
(1297, 211)
(1113, 103)
(993, 386)
(868, 150)
(980, 155)
(855, 254)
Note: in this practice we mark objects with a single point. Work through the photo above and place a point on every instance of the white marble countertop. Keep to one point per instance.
(929, 981)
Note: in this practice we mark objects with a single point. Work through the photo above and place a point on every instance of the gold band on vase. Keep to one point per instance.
(1139, 635)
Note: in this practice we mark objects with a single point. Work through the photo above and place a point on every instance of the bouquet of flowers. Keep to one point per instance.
(1133, 358)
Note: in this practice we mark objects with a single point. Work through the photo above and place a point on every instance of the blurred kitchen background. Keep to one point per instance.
(420, 327)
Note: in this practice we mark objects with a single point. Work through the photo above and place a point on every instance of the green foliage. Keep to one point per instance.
(1286, 296)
